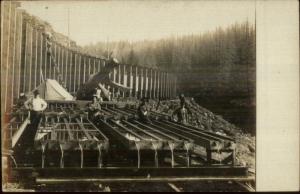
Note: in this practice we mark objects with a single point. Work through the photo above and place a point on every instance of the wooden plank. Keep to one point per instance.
(201, 132)
(54, 60)
(30, 62)
(62, 63)
(2, 58)
(144, 131)
(89, 67)
(146, 83)
(142, 80)
(158, 85)
(158, 131)
(128, 130)
(202, 141)
(174, 187)
(13, 56)
(6, 49)
(84, 69)
(34, 58)
(70, 72)
(154, 85)
(74, 81)
(79, 77)
(151, 84)
(83, 129)
(41, 57)
(67, 68)
(38, 57)
(172, 132)
(155, 179)
(131, 81)
(68, 129)
(18, 53)
(18, 134)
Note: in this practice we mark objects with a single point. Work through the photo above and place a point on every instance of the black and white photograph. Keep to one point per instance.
(128, 96)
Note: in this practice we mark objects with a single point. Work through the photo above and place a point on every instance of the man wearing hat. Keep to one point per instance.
(36, 105)
(94, 108)
(143, 112)
(22, 99)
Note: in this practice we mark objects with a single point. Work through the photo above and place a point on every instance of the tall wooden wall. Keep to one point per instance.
(25, 63)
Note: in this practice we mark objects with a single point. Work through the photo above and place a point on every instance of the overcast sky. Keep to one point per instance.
(93, 21)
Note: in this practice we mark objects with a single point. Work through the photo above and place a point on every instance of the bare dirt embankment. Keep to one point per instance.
(205, 119)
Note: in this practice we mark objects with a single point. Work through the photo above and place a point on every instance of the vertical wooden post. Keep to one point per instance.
(98, 65)
(142, 83)
(154, 84)
(62, 50)
(171, 86)
(124, 78)
(18, 52)
(13, 51)
(150, 84)
(58, 61)
(84, 69)
(134, 77)
(66, 62)
(119, 77)
(146, 83)
(130, 81)
(89, 67)
(95, 63)
(54, 62)
(35, 57)
(75, 72)
(167, 85)
(114, 78)
(69, 70)
(3, 58)
(163, 85)
(50, 66)
(40, 56)
(157, 84)
(80, 71)
(28, 59)
(174, 87)
(72, 71)
(137, 89)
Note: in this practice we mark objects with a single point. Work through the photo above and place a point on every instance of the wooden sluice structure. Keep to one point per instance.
(69, 145)
(68, 141)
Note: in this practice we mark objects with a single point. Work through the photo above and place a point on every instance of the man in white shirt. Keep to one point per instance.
(98, 94)
(36, 105)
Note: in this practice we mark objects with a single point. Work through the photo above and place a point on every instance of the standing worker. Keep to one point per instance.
(36, 105)
(98, 94)
(182, 98)
(94, 108)
(182, 113)
(143, 112)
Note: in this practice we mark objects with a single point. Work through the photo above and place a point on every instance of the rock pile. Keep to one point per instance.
(205, 119)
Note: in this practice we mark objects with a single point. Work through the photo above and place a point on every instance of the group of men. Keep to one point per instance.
(180, 115)
(36, 105)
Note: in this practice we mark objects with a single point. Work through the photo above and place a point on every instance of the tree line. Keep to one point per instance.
(220, 62)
